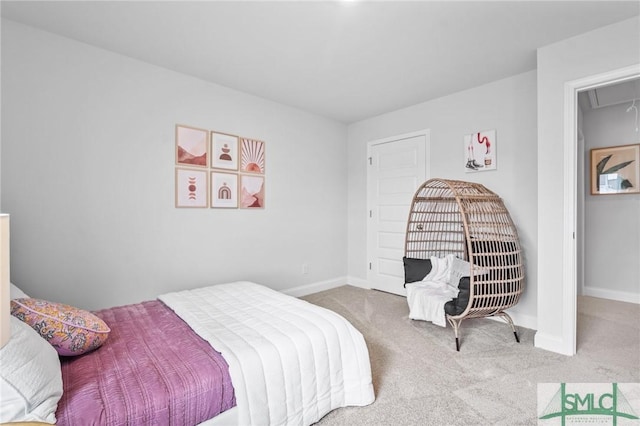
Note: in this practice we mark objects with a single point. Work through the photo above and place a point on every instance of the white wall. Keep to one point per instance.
(612, 237)
(609, 48)
(509, 106)
(88, 178)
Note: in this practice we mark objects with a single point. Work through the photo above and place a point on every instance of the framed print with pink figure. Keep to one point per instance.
(224, 151)
(251, 192)
(224, 190)
(480, 151)
(192, 146)
(191, 188)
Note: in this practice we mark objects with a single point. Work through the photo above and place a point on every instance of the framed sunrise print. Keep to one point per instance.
(224, 190)
(224, 151)
(192, 146)
(615, 170)
(252, 156)
(191, 188)
(251, 192)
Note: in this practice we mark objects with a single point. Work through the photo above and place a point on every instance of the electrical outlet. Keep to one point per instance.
(305, 268)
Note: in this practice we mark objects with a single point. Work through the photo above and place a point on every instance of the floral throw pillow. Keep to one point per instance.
(71, 331)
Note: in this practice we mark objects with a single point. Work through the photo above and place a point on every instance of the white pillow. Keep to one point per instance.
(16, 293)
(459, 268)
(30, 378)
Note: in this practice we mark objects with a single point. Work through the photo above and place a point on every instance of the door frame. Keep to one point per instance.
(570, 202)
(427, 171)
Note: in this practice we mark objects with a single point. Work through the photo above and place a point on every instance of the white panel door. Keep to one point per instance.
(396, 167)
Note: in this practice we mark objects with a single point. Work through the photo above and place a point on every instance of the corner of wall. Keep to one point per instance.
(552, 343)
(317, 287)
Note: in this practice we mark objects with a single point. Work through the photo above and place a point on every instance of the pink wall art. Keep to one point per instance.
(224, 151)
(252, 160)
(480, 151)
(218, 169)
(224, 190)
(191, 188)
(192, 146)
(251, 192)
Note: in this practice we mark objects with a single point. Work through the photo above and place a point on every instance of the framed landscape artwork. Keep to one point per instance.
(251, 192)
(615, 170)
(192, 146)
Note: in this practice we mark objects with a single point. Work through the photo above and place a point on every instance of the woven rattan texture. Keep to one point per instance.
(470, 221)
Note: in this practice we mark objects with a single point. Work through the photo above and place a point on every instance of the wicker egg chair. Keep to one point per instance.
(471, 222)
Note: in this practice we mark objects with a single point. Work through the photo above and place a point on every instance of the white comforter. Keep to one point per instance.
(290, 362)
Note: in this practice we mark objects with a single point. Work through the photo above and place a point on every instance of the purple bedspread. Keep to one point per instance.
(152, 370)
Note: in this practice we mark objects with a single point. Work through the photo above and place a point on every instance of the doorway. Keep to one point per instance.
(608, 241)
(396, 166)
(573, 239)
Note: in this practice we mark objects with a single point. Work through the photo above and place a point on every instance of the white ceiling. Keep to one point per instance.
(343, 60)
(609, 95)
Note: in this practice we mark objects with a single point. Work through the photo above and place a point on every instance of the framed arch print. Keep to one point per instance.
(192, 146)
(224, 151)
(224, 190)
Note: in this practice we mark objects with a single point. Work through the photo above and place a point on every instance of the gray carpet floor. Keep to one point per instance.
(420, 379)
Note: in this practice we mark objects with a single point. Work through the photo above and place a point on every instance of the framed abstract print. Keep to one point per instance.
(224, 190)
(252, 157)
(615, 170)
(251, 192)
(191, 188)
(224, 151)
(192, 146)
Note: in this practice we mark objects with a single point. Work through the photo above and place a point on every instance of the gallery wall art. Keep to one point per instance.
(480, 151)
(224, 151)
(191, 188)
(218, 169)
(192, 146)
(224, 190)
(251, 192)
(252, 156)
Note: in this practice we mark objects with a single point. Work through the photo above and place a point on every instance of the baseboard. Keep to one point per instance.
(604, 293)
(552, 343)
(358, 282)
(307, 289)
(520, 320)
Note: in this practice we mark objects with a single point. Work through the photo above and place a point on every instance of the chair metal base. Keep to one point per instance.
(455, 323)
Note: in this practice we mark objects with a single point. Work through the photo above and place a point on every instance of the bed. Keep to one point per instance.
(237, 353)
(153, 369)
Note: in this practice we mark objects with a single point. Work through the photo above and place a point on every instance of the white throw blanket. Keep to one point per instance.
(290, 362)
(426, 298)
